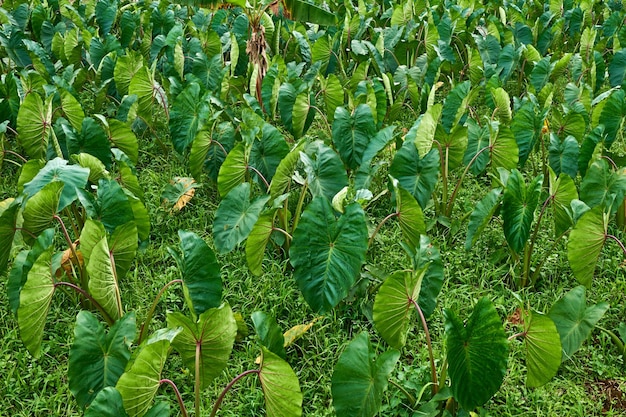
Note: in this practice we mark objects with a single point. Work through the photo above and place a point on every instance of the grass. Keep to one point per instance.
(39, 387)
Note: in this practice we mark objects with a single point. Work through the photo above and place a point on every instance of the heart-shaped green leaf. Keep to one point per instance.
(103, 280)
(518, 209)
(209, 341)
(122, 137)
(234, 169)
(602, 186)
(35, 300)
(41, 208)
(189, 112)
(503, 148)
(200, 271)
(416, 175)
(481, 215)
(108, 403)
(139, 384)
(352, 133)
(8, 224)
(574, 320)
(359, 379)
(409, 214)
(269, 333)
(98, 358)
(327, 253)
(394, 305)
(34, 124)
(257, 241)
(235, 217)
(543, 349)
(426, 255)
(477, 354)
(123, 248)
(284, 172)
(325, 173)
(563, 156)
(281, 388)
(73, 176)
(585, 244)
(563, 192)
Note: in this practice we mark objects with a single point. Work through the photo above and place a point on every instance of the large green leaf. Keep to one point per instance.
(359, 379)
(108, 403)
(209, 150)
(206, 344)
(42, 207)
(526, 127)
(393, 306)
(352, 133)
(8, 224)
(234, 169)
(103, 280)
(257, 242)
(502, 105)
(327, 253)
(122, 137)
(478, 138)
(73, 176)
(270, 335)
(416, 175)
(303, 111)
(92, 139)
(267, 153)
(34, 124)
(73, 111)
(123, 247)
(477, 354)
(35, 300)
(235, 217)
(423, 130)
(92, 233)
(602, 186)
(518, 209)
(200, 271)
(563, 156)
(453, 145)
(139, 384)
(97, 357)
(455, 105)
(481, 215)
(426, 255)
(562, 192)
(303, 11)
(543, 349)
(585, 244)
(189, 112)
(409, 214)
(325, 173)
(112, 207)
(504, 151)
(574, 320)
(281, 388)
(284, 172)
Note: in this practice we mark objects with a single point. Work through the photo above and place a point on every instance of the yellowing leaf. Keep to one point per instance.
(296, 332)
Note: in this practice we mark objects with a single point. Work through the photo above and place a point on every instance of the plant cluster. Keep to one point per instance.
(410, 99)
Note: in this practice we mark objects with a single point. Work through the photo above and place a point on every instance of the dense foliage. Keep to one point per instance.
(306, 121)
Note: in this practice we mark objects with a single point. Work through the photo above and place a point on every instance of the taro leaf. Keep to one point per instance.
(540, 74)
(139, 384)
(574, 320)
(97, 170)
(455, 105)
(113, 209)
(410, 215)
(503, 105)
(477, 354)
(478, 139)
(563, 156)
(543, 349)
(92, 139)
(92, 233)
(359, 379)
(504, 151)
(286, 99)
(453, 145)
(103, 280)
(209, 150)
(585, 244)
(281, 388)
(611, 116)
(189, 112)
(352, 133)
(235, 217)
(269, 333)
(617, 68)
(22, 265)
(303, 11)
(35, 300)
(518, 209)
(72, 176)
(297, 331)
(72, 109)
(333, 93)
(122, 137)
(603, 187)
(8, 224)
(213, 334)
(394, 305)
(327, 253)
(128, 180)
(563, 192)
(124, 247)
(423, 130)
(416, 175)
(266, 154)
(481, 215)
(526, 127)
(201, 273)
(303, 110)
(148, 93)
(140, 214)
(34, 124)
(591, 145)
(41, 208)
(178, 193)
(324, 170)
(108, 403)
(105, 12)
(257, 242)
(427, 256)
(97, 357)
(379, 142)
(233, 170)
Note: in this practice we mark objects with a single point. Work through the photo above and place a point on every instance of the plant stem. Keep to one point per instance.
(284, 232)
(450, 204)
(146, 322)
(171, 383)
(433, 369)
(296, 217)
(256, 171)
(444, 373)
(616, 340)
(406, 393)
(6, 151)
(389, 216)
(85, 294)
(82, 278)
(516, 335)
(197, 377)
(528, 249)
(619, 242)
(533, 278)
(218, 403)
